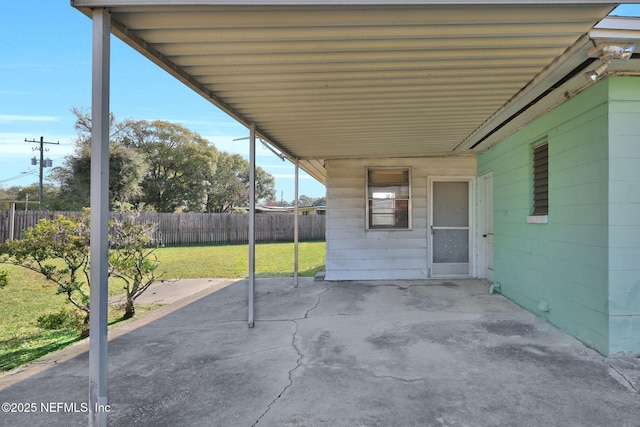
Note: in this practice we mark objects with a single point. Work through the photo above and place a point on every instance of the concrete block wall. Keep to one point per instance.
(624, 214)
(564, 262)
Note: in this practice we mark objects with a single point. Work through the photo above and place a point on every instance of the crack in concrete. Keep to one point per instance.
(291, 371)
(389, 377)
(297, 349)
(368, 372)
(328, 288)
(306, 314)
(301, 356)
(245, 355)
(621, 378)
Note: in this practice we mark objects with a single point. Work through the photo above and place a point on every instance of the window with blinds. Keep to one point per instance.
(388, 198)
(541, 179)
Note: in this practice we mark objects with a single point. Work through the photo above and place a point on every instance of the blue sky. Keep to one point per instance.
(45, 70)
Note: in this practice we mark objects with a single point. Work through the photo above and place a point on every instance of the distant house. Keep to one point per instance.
(284, 210)
(496, 140)
(287, 210)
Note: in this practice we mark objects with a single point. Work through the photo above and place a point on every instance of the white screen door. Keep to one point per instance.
(450, 229)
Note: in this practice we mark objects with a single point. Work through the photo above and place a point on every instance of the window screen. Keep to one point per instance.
(541, 179)
(388, 198)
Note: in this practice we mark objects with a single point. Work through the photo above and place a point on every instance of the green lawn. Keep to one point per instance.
(272, 260)
(29, 296)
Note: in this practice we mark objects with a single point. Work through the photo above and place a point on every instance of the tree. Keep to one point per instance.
(180, 164)
(59, 250)
(265, 184)
(230, 184)
(133, 260)
(126, 168)
(227, 189)
(304, 200)
(309, 201)
(161, 166)
(50, 195)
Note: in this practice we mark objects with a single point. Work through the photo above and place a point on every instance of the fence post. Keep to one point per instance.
(12, 221)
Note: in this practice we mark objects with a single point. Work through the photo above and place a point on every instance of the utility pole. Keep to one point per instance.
(42, 163)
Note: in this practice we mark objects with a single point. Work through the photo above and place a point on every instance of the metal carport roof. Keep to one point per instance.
(330, 79)
(326, 79)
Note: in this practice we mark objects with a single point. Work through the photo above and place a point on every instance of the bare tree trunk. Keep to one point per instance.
(129, 309)
(84, 331)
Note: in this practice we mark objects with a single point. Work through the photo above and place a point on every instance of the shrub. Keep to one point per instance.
(59, 250)
(4, 278)
(63, 319)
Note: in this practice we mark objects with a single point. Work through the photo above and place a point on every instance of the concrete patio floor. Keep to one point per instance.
(410, 353)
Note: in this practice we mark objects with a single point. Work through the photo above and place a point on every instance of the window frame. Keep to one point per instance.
(369, 200)
(539, 183)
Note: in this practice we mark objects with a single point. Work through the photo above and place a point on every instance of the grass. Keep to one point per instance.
(29, 296)
(231, 261)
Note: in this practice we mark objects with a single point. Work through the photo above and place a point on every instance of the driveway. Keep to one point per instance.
(409, 353)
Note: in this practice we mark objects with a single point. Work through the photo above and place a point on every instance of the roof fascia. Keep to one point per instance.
(506, 120)
(618, 29)
(111, 3)
(559, 81)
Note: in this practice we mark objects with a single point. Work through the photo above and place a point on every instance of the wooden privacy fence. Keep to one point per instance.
(193, 228)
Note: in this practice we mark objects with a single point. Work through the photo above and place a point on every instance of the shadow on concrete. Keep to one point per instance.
(416, 353)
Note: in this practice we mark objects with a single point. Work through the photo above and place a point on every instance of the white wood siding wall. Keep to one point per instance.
(354, 253)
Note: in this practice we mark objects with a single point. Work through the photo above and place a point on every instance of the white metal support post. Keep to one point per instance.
(295, 229)
(252, 223)
(99, 217)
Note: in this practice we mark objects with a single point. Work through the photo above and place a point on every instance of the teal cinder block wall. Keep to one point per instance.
(585, 262)
(624, 214)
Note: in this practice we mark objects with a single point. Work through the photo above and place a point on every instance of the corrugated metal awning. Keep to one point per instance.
(326, 80)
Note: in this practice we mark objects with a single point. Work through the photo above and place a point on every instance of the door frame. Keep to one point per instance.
(483, 204)
(471, 179)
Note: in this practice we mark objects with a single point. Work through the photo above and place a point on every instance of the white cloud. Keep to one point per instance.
(291, 176)
(12, 144)
(15, 92)
(30, 65)
(284, 165)
(14, 118)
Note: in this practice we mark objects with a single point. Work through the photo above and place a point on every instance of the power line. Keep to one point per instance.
(42, 164)
(22, 174)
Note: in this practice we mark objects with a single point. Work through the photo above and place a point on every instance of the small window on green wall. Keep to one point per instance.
(541, 179)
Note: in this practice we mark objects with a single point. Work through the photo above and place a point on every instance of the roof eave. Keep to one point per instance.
(559, 82)
(109, 3)
(546, 89)
(531, 101)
